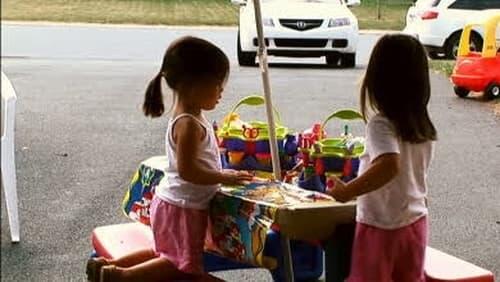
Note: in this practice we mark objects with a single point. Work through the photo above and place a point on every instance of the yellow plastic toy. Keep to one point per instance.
(479, 71)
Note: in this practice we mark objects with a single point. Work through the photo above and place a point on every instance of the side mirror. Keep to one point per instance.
(351, 3)
(239, 2)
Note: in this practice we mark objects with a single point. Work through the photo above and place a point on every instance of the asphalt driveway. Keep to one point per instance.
(80, 135)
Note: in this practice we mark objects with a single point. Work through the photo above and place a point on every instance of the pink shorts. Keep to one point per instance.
(179, 235)
(389, 255)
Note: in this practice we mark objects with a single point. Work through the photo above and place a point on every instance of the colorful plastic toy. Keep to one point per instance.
(324, 157)
(245, 145)
(478, 71)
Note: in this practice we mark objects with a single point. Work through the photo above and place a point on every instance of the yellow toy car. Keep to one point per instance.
(479, 71)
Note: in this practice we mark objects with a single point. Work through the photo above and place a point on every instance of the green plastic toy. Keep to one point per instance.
(233, 127)
(343, 146)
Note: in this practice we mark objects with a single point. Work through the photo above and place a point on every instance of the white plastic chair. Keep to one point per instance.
(8, 167)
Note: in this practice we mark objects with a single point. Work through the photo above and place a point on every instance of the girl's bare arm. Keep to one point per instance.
(382, 170)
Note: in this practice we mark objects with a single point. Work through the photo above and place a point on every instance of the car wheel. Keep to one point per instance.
(451, 47)
(461, 92)
(348, 60)
(492, 91)
(245, 58)
(333, 60)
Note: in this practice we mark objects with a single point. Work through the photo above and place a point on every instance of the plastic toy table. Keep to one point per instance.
(241, 217)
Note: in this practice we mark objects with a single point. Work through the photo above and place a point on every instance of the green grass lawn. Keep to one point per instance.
(171, 12)
(442, 66)
(167, 12)
(392, 15)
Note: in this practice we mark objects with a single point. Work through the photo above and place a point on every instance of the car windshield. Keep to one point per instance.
(427, 3)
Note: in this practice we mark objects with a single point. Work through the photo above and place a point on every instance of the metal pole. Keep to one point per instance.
(287, 258)
(262, 54)
(379, 15)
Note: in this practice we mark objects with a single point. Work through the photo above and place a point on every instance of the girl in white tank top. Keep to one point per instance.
(196, 71)
(173, 188)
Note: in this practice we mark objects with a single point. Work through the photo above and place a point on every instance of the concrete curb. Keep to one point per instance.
(111, 25)
(378, 31)
(142, 26)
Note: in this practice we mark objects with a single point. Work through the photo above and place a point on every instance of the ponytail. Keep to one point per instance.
(153, 100)
(187, 59)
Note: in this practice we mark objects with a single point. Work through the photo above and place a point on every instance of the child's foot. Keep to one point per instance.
(109, 273)
(94, 268)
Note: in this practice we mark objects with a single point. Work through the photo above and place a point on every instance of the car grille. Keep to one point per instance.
(301, 25)
(317, 43)
(339, 43)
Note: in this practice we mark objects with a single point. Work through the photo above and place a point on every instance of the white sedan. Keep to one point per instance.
(300, 28)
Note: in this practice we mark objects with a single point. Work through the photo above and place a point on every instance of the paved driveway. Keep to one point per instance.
(80, 135)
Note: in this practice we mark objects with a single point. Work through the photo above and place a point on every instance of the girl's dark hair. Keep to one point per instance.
(397, 85)
(187, 60)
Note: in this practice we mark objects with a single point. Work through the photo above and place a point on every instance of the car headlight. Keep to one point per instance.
(339, 22)
(267, 22)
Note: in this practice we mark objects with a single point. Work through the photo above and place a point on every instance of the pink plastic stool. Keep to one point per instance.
(442, 267)
(114, 241)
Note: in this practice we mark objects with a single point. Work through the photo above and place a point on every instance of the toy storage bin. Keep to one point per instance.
(244, 145)
(307, 260)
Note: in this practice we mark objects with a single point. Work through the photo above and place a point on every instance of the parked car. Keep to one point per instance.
(439, 23)
(479, 71)
(300, 28)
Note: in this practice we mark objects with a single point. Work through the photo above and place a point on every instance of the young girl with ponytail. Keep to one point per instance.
(196, 71)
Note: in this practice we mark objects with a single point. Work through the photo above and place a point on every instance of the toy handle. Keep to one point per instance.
(255, 100)
(344, 114)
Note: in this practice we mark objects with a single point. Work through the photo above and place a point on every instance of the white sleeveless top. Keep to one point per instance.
(175, 190)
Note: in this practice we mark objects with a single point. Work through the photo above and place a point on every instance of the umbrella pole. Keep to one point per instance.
(262, 54)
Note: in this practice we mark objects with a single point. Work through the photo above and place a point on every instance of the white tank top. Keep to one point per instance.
(175, 190)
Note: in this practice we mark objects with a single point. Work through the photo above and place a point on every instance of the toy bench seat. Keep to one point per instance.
(114, 241)
(442, 267)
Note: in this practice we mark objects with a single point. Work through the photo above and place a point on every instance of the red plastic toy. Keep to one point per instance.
(478, 71)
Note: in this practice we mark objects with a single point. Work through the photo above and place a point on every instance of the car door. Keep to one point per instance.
(458, 13)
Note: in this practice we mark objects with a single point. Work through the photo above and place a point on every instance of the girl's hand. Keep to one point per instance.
(234, 177)
(340, 191)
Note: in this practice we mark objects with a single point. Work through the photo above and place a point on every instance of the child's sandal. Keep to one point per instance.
(93, 270)
(109, 273)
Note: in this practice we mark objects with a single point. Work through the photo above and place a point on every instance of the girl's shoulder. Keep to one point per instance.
(378, 117)
(379, 120)
(188, 118)
(187, 125)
